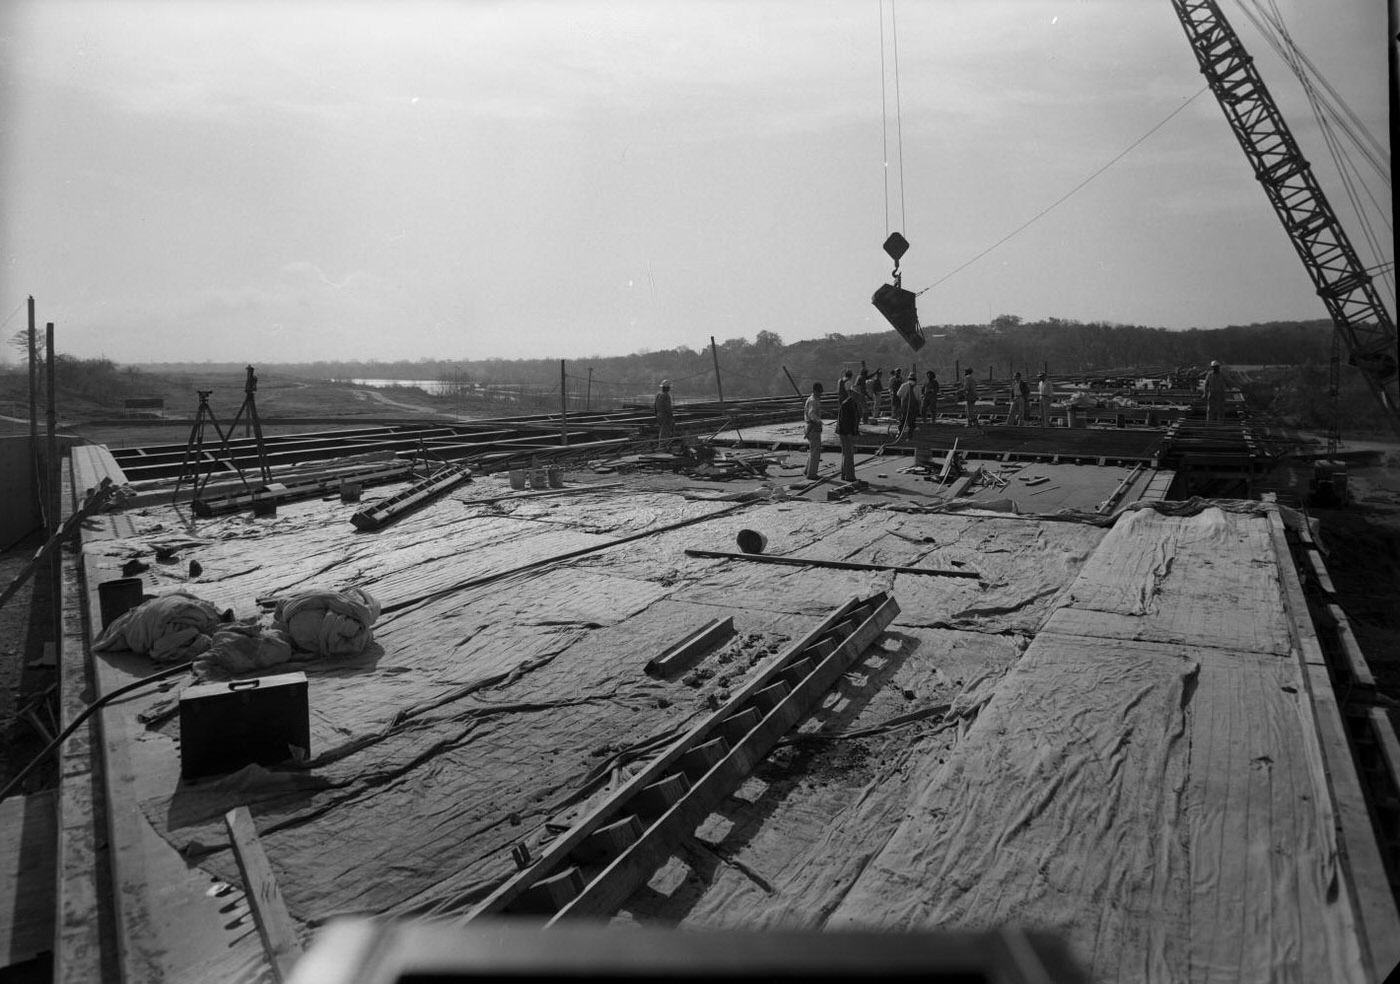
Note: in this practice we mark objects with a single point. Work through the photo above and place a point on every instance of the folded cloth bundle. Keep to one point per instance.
(328, 623)
(168, 628)
(238, 647)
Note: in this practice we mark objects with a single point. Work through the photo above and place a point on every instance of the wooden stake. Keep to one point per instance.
(563, 406)
(33, 409)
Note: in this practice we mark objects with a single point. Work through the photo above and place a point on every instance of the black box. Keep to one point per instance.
(116, 598)
(225, 726)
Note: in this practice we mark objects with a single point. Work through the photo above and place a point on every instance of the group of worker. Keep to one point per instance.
(861, 398)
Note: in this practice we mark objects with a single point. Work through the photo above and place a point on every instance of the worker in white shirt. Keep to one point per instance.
(1047, 392)
(812, 415)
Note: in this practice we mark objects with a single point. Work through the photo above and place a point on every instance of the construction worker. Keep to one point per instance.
(907, 398)
(877, 391)
(812, 416)
(930, 407)
(1214, 385)
(665, 418)
(896, 382)
(863, 391)
(1020, 395)
(1046, 392)
(848, 429)
(969, 394)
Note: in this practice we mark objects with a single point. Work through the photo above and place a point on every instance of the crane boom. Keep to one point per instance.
(1338, 275)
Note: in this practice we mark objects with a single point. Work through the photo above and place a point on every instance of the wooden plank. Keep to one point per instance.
(275, 927)
(1355, 668)
(1373, 911)
(604, 894)
(84, 941)
(684, 653)
(559, 849)
(844, 565)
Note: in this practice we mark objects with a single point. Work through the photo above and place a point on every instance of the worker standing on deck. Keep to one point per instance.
(877, 389)
(930, 408)
(665, 418)
(1215, 394)
(896, 383)
(863, 392)
(1020, 395)
(908, 400)
(812, 415)
(969, 394)
(1046, 392)
(847, 429)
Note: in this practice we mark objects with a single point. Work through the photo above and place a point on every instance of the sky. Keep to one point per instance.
(243, 180)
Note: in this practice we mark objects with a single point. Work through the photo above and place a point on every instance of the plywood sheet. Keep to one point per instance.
(1150, 801)
(1208, 579)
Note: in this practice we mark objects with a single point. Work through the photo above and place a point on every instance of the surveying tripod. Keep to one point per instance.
(198, 465)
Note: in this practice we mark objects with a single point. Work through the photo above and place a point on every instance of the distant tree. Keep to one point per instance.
(768, 340)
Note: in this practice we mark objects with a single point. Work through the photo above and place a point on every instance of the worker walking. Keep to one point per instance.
(969, 394)
(1046, 393)
(848, 429)
(665, 417)
(1214, 385)
(1020, 395)
(812, 415)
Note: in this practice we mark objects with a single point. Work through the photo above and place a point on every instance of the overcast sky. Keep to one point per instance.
(255, 181)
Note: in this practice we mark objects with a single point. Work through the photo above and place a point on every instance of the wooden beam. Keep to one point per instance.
(845, 565)
(685, 652)
(275, 927)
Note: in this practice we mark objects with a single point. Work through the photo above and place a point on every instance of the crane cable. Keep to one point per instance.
(1067, 195)
(885, 115)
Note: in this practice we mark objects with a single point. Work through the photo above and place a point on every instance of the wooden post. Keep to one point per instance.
(588, 393)
(957, 370)
(795, 388)
(714, 353)
(54, 493)
(33, 410)
(51, 495)
(563, 406)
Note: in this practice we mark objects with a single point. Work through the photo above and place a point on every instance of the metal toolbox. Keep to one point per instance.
(225, 726)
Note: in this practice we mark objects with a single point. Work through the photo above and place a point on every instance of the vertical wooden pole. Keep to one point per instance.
(51, 461)
(588, 393)
(714, 353)
(563, 406)
(33, 412)
(55, 492)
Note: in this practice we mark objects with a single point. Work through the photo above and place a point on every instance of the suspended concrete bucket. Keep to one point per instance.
(752, 541)
(897, 305)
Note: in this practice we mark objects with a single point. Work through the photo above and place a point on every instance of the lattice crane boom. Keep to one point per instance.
(1339, 277)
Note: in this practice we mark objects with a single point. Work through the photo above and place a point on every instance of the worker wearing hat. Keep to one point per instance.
(1214, 386)
(665, 419)
(1046, 391)
(969, 394)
